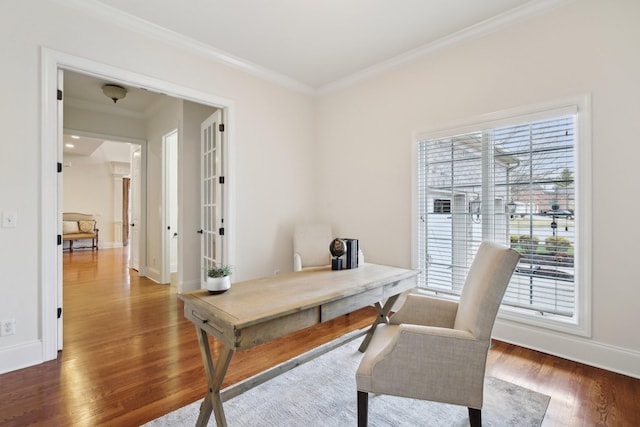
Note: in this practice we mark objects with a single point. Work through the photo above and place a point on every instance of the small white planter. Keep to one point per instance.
(218, 285)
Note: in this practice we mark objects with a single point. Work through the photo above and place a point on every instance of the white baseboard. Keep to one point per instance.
(578, 349)
(153, 274)
(589, 352)
(20, 356)
(190, 285)
(110, 245)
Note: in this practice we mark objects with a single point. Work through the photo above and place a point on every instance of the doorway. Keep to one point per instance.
(52, 62)
(126, 191)
(96, 181)
(170, 207)
(136, 207)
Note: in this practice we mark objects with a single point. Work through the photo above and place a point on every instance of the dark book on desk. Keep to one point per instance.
(352, 253)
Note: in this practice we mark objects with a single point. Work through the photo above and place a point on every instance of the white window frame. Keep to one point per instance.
(580, 323)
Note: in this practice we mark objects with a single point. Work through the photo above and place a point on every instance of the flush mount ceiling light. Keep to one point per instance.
(114, 92)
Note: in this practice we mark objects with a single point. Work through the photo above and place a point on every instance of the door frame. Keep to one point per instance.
(168, 161)
(137, 201)
(51, 62)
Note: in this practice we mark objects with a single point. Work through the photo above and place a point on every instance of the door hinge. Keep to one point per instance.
(221, 231)
(59, 239)
(59, 312)
(59, 95)
(59, 167)
(221, 127)
(221, 180)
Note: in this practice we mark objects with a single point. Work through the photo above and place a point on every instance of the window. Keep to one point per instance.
(515, 181)
(442, 206)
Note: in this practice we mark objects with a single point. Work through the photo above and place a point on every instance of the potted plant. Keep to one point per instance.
(218, 279)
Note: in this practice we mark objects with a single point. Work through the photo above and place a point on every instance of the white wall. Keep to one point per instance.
(90, 187)
(165, 119)
(79, 119)
(589, 46)
(273, 137)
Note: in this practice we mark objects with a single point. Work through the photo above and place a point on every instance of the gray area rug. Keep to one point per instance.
(322, 393)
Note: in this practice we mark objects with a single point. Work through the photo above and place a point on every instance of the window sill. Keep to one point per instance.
(568, 325)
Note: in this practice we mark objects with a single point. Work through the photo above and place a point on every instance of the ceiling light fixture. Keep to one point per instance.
(114, 92)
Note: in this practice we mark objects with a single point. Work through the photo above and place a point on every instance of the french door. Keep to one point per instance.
(212, 225)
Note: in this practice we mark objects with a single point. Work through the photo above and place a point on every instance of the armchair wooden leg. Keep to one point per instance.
(363, 408)
(475, 417)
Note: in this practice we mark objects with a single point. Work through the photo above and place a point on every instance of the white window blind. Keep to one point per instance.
(513, 184)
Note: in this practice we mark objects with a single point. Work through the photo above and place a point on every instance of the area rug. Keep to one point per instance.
(322, 393)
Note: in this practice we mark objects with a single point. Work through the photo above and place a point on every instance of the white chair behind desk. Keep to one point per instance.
(311, 246)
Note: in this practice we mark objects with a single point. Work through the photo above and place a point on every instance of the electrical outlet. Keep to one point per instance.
(7, 327)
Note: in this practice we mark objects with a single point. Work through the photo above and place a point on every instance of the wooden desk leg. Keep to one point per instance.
(215, 375)
(383, 317)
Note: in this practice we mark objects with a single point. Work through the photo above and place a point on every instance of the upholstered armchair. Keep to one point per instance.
(311, 246)
(435, 349)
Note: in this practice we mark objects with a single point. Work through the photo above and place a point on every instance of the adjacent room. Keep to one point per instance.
(415, 210)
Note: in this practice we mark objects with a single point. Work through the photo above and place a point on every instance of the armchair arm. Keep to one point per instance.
(427, 311)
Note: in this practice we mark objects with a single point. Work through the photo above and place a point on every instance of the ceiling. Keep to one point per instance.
(81, 90)
(85, 92)
(309, 44)
(80, 146)
(314, 43)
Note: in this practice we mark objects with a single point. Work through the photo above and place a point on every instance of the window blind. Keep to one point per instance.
(512, 184)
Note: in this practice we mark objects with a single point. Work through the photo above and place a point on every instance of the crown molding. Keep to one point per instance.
(146, 28)
(130, 22)
(481, 29)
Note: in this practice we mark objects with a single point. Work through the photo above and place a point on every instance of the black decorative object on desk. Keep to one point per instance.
(351, 253)
(337, 248)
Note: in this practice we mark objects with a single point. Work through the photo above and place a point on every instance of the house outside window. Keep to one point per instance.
(515, 180)
(442, 206)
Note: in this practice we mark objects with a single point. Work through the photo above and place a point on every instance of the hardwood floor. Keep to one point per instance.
(130, 356)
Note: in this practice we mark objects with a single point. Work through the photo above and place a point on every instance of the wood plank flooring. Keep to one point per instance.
(130, 356)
